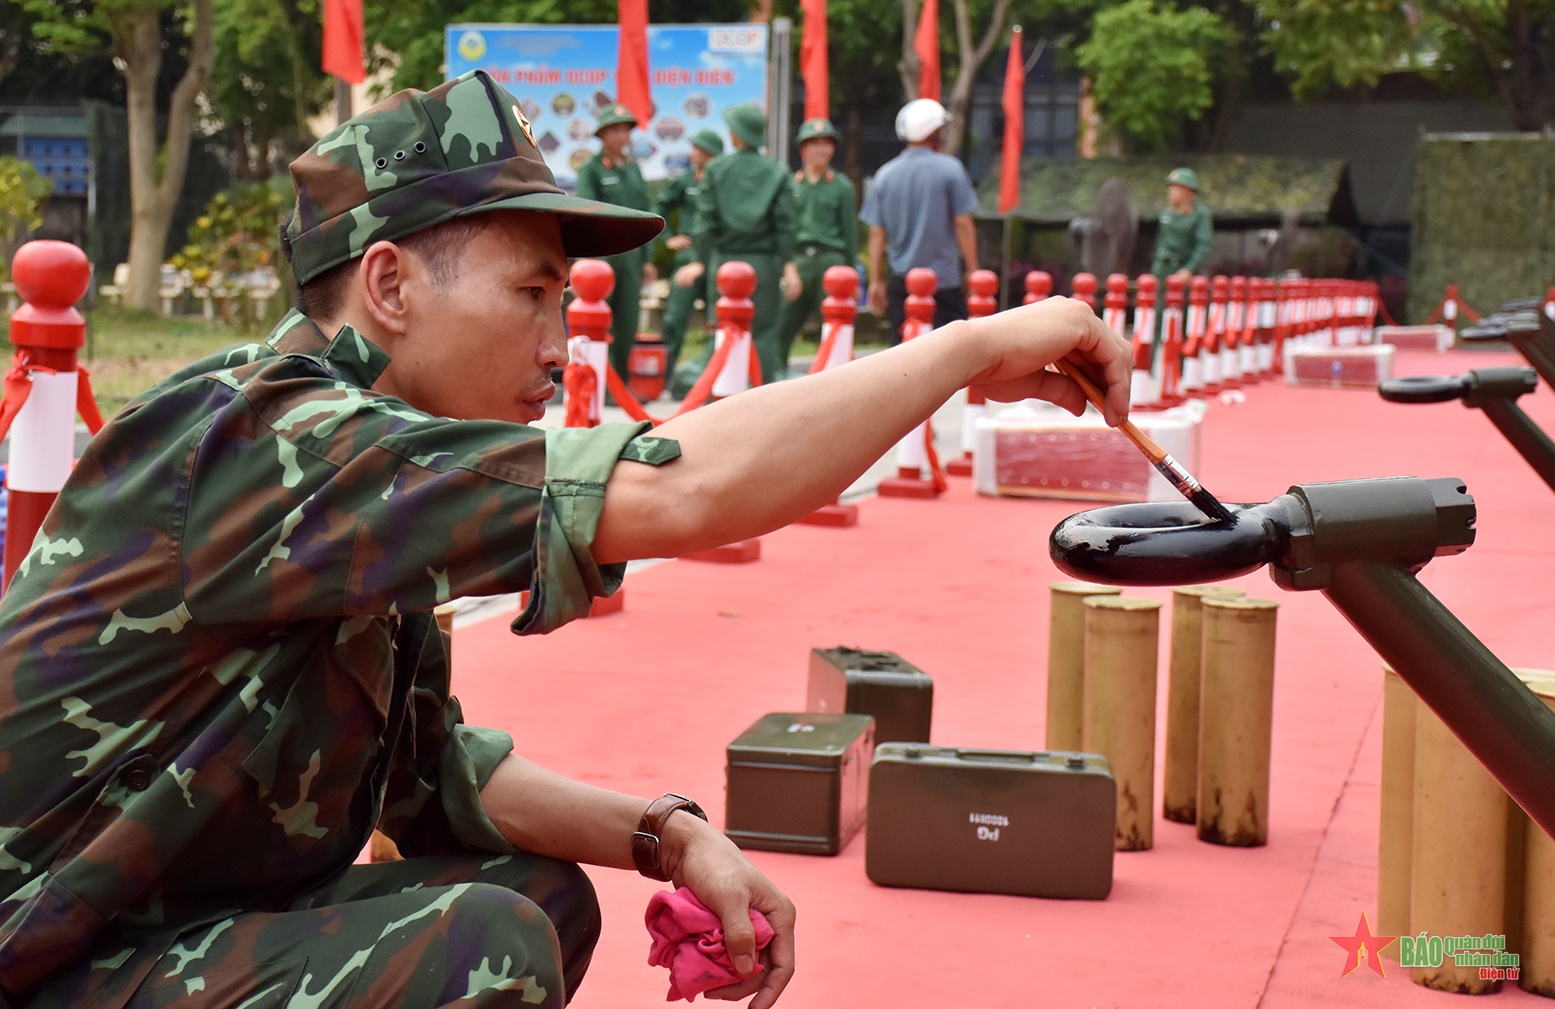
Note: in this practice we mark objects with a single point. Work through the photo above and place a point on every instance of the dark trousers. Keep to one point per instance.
(949, 305)
(501, 931)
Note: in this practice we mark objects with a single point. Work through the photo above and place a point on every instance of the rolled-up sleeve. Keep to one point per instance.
(578, 462)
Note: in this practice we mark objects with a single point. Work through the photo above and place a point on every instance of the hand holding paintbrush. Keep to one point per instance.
(1191, 489)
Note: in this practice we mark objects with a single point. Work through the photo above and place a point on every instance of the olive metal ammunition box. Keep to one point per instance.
(799, 781)
(991, 821)
(898, 694)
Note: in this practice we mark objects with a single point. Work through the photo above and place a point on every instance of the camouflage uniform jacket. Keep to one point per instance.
(218, 665)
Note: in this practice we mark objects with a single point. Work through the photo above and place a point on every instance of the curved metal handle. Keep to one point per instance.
(1424, 388)
(1484, 332)
(1166, 543)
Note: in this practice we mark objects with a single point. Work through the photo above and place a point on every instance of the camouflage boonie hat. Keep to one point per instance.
(419, 158)
(709, 141)
(1184, 177)
(812, 128)
(610, 115)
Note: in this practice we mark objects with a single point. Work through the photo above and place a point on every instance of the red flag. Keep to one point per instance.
(343, 40)
(632, 62)
(1014, 125)
(926, 45)
(812, 62)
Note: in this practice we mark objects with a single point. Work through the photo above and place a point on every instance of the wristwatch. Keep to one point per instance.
(645, 843)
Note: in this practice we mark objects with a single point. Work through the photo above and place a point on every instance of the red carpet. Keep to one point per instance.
(645, 701)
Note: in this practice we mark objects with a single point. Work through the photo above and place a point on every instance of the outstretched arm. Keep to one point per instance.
(760, 460)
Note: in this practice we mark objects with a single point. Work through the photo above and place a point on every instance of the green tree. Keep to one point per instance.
(1153, 68)
(22, 194)
(131, 30)
(266, 80)
(1503, 50)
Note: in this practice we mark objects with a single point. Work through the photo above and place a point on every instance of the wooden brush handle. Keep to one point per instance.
(1146, 445)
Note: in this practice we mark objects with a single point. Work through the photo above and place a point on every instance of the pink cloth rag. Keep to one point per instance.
(689, 940)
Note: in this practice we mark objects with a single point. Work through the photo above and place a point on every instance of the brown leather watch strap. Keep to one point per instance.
(645, 843)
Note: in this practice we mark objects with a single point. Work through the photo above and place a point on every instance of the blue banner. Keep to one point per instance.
(564, 74)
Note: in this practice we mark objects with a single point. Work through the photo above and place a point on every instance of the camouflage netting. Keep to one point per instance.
(1484, 219)
(1237, 187)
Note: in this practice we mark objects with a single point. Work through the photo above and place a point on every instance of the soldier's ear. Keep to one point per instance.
(383, 283)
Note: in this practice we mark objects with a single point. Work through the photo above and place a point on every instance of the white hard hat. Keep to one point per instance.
(919, 118)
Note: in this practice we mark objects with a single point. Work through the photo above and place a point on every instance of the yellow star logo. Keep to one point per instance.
(523, 124)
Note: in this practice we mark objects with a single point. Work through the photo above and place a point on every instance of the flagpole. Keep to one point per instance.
(342, 100)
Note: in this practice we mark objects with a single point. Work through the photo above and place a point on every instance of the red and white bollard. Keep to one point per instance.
(1039, 284)
(44, 388)
(981, 302)
(588, 342)
(1247, 341)
(741, 370)
(838, 311)
(1084, 288)
(1214, 351)
(1115, 305)
(735, 311)
(916, 450)
(1193, 338)
(1172, 344)
(1239, 313)
(1145, 383)
(1549, 303)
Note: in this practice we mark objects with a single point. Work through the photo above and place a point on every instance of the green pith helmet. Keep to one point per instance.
(748, 122)
(709, 141)
(419, 158)
(612, 114)
(812, 128)
(1184, 177)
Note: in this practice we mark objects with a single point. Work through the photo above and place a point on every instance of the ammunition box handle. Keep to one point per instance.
(1008, 756)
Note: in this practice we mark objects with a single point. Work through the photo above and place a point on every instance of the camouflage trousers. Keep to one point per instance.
(479, 930)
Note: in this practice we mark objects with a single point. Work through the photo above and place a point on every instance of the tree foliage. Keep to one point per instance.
(266, 82)
(1152, 67)
(22, 194)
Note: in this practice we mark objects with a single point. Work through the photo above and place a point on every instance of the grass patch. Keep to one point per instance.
(128, 352)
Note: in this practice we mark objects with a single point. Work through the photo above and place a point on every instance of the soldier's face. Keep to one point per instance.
(482, 346)
(818, 153)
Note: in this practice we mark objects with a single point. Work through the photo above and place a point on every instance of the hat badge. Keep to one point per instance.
(523, 124)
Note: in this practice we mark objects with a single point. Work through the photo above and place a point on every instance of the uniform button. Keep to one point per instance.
(137, 780)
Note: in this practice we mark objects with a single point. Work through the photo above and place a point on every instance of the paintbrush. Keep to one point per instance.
(1170, 468)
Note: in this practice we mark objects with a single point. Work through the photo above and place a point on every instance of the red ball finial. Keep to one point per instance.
(984, 283)
(49, 274)
(1218, 284)
(1198, 289)
(1238, 288)
(1084, 285)
(1174, 286)
(840, 282)
(736, 279)
(1147, 282)
(922, 282)
(1117, 283)
(593, 279)
(1039, 284)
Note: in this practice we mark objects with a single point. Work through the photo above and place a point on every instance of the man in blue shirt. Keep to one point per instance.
(919, 212)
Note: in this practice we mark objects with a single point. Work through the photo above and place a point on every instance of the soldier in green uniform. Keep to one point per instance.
(681, 195)
(745, 211)
(826, 234)
(219, 665)
(1182, 244)
(611, 176)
